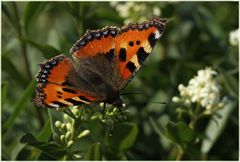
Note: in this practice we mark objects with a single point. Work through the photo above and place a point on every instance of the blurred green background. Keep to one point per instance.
(196, 36)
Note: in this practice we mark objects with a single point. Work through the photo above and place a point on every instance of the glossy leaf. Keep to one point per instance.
(180, 133)
(51, 149)
(12, 71)
(46, 132)
(31, 11)
(19, 106)
(47, 50)
(94, 152)
(216, 126)
(123, 136)
(4, 92)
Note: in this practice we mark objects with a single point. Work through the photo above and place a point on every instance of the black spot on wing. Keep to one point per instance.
(141, 55)
(74, 102)
(69, 90)
(84, 98)
(58, 92)
(122, 55)
(110, 54)
(137, 42)
(131, 66)
(151, 39)
(131, 43)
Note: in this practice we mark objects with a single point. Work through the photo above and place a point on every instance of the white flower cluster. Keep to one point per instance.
(202, 89)
(66, 129)
(130, 9)
(234, 37)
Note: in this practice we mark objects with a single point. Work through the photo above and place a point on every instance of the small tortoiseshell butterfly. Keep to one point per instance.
(104, 61)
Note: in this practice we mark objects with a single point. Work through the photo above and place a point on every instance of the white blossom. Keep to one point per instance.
(234, 37)
(138, 10)
(202, 89)
(156, 11)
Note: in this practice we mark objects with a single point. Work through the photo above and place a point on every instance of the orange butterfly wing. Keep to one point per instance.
(52, 91)
(106, 59)
(95, 42)
(134, 43)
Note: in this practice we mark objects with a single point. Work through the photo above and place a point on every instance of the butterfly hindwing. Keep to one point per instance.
(53, 90)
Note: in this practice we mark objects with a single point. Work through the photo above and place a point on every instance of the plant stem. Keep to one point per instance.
(24, 53)
(22, 43)
(179, 153)
(194, 117)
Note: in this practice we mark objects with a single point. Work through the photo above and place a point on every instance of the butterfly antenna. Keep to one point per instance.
(163, 103)
(154, 102)
(131, 93)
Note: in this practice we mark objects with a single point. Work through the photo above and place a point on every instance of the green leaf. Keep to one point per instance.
(7, 12)
(54, 116)
(45, 132)
(94, 152)
(31, 11)
(12, 71)
(158, 126)
(123, 136)
(49, 148)
(4, 87)
(216, 126)
(19, 106)
(180, 133)
(47, 50)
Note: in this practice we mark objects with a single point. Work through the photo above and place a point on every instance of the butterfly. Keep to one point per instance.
(103, 63)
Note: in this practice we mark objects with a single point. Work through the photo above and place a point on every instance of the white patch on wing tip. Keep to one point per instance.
(54, 105)
(157, 34)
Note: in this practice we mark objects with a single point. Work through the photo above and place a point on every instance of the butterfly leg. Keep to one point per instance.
(120, 109)
(104, 107)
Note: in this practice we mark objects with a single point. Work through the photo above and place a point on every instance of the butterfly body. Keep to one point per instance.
(103, 63)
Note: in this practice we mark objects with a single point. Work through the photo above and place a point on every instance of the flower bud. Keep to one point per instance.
(69, 144)
(69, 126)
(55, 137)
(62, 138)
(65, 116)
(63, 126)
(83, 133)
(58, 124)
(175, 99)
(68, 135)
(77, 156)
(75, 111)
(101, 104)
